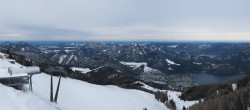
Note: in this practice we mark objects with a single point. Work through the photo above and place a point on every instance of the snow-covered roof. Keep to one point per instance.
(28, 70)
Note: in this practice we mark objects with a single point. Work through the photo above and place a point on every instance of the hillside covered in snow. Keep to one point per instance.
(73, 95)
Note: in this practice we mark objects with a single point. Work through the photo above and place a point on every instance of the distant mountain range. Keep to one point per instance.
(151, 62)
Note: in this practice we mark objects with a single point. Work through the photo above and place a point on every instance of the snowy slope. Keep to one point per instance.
(173, 95)
(62, 58)
(5, 64)
(12, 99)
(82, 70)
(78, 95)
(135, 65)
(171, 62)
(73, 95)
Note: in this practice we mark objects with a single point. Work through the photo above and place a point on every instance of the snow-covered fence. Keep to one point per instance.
(28, 70)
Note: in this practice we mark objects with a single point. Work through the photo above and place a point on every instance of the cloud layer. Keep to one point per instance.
(200, 20)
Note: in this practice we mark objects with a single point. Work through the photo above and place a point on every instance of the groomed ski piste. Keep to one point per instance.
(74, 95)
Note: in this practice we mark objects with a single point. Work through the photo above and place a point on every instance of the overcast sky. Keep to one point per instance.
(199, 20)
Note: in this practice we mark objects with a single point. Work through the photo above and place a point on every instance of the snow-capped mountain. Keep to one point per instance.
(164, 64)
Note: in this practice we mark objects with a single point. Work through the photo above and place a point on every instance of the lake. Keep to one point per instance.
(205, 78)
